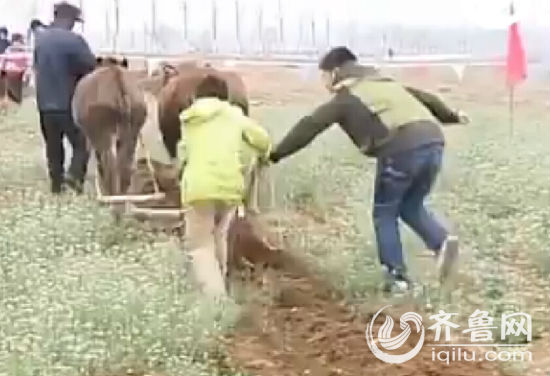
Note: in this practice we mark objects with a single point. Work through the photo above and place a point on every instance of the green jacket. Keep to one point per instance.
(215, 136)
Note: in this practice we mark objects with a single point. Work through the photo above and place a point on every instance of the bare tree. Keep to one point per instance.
(281, 24)
(261, 26)
(154, 23)
(81, 6)
(313, 32)
(107, 27)
(117, 25)
(300, 33)
(215, 25)
(327, 30)
(185, 20)
(145, 39)
(238, 24)
(133, 39)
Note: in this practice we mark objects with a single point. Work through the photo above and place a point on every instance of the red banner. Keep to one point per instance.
(516, 65)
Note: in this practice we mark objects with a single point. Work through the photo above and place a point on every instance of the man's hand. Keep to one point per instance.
(273, 158)
(463, 117)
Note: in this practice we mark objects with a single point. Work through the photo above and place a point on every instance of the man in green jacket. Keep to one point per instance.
(401, 128)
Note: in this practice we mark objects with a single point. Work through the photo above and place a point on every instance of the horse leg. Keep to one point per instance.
(108, 167)
(109, 156)
(100, 178)
(125, 157)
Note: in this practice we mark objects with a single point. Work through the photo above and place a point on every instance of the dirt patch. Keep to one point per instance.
(308, 330)
(541, 358)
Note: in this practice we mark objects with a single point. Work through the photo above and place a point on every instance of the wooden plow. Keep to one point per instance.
(125, 204)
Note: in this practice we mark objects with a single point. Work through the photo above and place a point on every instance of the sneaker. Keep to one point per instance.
(396, 281)
(447, 257)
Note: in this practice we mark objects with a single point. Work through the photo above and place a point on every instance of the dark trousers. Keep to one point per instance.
(55, 125)
(402, 184)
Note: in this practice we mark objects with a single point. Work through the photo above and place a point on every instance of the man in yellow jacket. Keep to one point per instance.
(212, 185)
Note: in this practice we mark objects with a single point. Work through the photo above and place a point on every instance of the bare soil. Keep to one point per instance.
(308, 330)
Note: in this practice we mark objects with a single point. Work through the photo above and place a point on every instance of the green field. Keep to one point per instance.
(80, 295)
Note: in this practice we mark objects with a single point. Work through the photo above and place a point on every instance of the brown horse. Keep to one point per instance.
(178, 94)
(110, 108)
(167, 92)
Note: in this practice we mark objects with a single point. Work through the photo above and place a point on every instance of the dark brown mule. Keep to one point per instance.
(110, 109)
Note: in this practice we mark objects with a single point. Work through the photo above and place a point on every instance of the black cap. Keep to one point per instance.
(66, 10)
(336, 57)
(3, 30)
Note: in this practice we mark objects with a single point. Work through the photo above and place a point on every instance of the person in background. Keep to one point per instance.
(14, 67)
(4, 41)
(212, 184)
(61, 58)
(401, 128)
(17, 42)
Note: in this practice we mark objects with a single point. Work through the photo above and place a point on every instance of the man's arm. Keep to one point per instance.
(83, 59)
(308, 128)
(437, 107)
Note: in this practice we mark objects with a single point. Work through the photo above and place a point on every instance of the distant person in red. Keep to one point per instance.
(4, 41)
(17, 42)
(14, 65)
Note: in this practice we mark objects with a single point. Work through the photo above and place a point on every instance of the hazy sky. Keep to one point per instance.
(135, 13)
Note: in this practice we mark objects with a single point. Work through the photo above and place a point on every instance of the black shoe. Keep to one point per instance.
(75, 184)
(57, 188)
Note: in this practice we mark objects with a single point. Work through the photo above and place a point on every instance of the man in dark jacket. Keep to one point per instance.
(61, 58)
(4, 41)
(400, 127)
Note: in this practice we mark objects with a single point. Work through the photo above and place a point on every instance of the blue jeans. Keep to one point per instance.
(402, 183)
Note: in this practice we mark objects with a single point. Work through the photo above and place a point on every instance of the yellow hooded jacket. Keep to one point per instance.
(215, 137)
